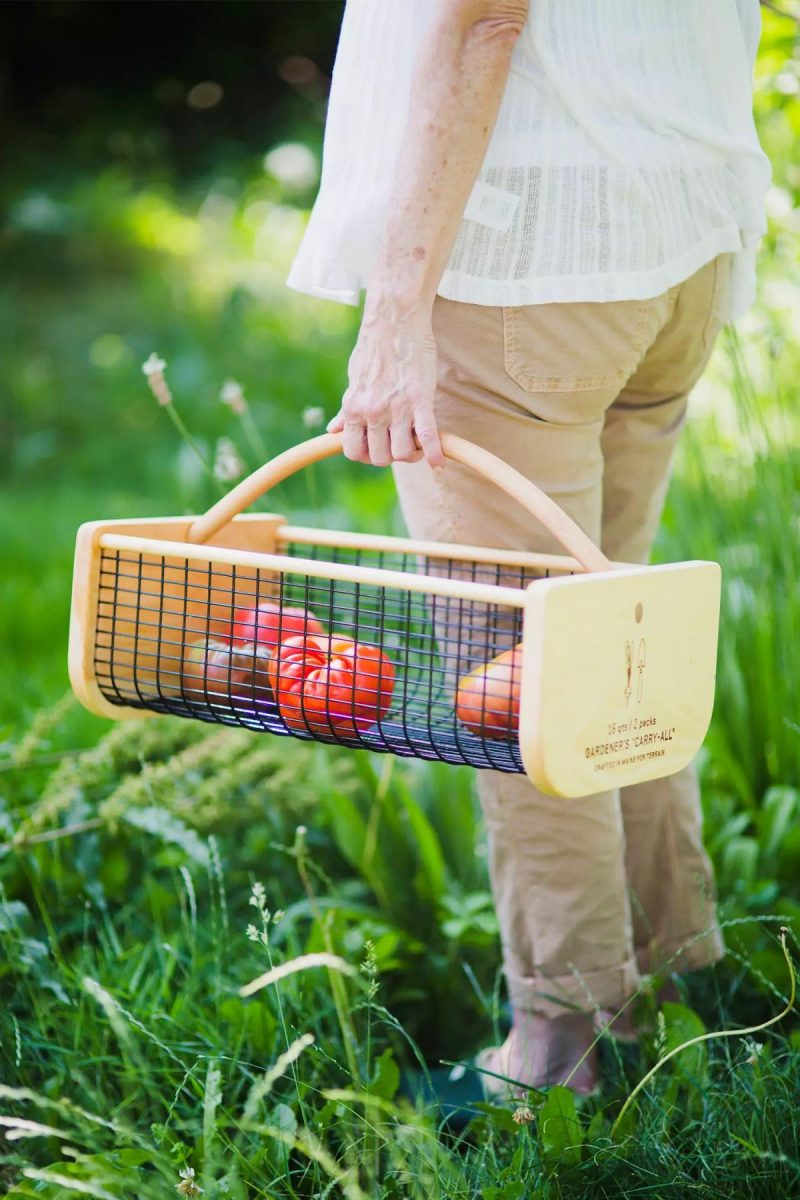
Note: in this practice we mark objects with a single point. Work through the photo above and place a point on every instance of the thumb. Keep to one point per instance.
(336, 424)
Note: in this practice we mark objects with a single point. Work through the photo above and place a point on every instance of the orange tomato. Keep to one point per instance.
(331, 684)
(487, 700)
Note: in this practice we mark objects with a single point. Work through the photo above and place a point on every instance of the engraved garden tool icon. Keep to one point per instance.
(641, 662)
(628, 670)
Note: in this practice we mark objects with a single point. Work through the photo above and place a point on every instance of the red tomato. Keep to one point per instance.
(269, 624)
(221, 673)
(331, 684)
(487, 700)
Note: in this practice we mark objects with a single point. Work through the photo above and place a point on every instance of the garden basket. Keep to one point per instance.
(581, 673)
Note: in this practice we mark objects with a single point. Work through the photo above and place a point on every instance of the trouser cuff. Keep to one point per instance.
(681, 955)
(554, 996)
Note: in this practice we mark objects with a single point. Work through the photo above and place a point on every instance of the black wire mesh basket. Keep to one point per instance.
(580, 673)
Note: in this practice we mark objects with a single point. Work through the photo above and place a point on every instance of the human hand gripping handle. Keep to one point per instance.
(387, 412)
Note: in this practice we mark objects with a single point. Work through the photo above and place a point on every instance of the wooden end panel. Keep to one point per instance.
(618, 676)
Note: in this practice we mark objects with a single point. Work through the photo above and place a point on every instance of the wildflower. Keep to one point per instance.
(154, 365)
(232, 394)
(258, 899)
(187, 1185)
(154, 369)
(522, 1115)
(228, 466)
(312, 417)
(755, 1050)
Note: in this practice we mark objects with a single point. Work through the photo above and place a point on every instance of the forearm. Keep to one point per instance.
(455, 97)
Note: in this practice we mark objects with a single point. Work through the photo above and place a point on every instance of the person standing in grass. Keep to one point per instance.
(553, 207)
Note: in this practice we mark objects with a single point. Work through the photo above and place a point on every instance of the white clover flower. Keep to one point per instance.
(228, 466)
(187, 1185)
(232, 394)
(522, 1115)
(312, 417)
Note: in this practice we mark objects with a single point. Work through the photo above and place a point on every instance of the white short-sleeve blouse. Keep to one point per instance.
(624, 156)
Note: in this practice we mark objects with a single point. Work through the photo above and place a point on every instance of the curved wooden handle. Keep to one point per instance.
(457, 449)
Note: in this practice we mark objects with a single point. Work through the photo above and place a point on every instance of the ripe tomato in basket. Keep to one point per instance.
(331, 684)
(268, 624)
(487, 700)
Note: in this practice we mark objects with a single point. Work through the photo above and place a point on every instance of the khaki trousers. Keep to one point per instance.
(588, 401)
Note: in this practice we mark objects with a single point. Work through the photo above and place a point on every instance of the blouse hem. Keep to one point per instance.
(632, 285)
(329, 281)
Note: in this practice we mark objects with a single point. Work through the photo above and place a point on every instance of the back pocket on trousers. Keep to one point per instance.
(578, 346)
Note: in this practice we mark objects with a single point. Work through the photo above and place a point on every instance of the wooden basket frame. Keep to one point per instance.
(575, 734)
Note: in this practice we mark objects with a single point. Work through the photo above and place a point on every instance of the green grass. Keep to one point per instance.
(125, 946)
